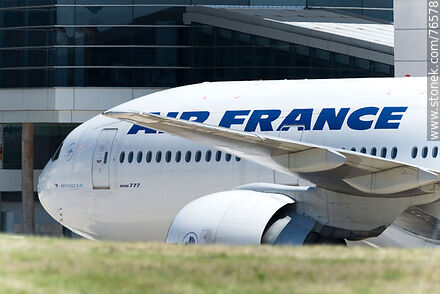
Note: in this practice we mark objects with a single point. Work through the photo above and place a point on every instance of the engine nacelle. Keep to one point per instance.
(240, 217)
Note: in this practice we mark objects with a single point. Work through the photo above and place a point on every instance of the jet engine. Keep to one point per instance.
(243, 217)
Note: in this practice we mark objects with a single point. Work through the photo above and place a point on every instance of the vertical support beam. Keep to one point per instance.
(27, 166)
(410, 37)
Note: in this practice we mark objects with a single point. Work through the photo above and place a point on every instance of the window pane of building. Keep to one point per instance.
(102, 15)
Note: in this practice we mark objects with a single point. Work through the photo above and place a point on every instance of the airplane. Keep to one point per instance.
(287, 162)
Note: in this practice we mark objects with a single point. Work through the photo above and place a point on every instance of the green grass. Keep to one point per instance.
(44, 265)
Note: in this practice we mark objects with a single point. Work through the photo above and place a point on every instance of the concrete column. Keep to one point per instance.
(410, 37)
(27, 165)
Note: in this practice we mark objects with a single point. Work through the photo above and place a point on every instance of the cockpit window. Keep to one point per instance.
(57, 153)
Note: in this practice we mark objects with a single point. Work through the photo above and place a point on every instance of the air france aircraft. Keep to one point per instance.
(254, 162)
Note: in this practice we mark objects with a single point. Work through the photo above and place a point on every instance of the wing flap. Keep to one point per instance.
(312, 160)
(366, 162)
(393, 180)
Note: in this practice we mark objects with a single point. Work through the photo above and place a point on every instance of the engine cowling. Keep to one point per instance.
(241, 217)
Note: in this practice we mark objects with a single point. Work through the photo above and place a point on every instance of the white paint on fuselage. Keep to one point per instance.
(141, 212)
(145, 212)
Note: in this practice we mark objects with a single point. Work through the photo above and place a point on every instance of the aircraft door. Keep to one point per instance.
(101, 159)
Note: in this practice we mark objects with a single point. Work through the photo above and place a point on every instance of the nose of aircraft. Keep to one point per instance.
(46, 187)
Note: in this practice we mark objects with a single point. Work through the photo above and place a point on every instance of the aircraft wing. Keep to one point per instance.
(331, 168)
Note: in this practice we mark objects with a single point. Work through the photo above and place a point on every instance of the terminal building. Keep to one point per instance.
(64, 61)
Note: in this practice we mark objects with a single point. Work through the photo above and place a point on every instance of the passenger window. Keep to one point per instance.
(105, 157)
(122, 157)
(237, 158)
(363, 150)
(188, 156)
(168, 156)
(435, 152)
(425, 152)
(130, 157)
(394, 152)
(414, 152)
(228, 157)
(218, 155)
(149, 156)
(373, 151)
(208, 156)
(139, 157)
(198, 156)
(158, 156)
(178, 156)
(383, 152)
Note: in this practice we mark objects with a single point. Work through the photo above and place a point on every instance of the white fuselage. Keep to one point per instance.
(138, 200)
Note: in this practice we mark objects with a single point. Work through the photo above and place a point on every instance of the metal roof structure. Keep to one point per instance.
(324, 29)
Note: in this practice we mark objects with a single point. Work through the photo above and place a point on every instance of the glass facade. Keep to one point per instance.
(379, 9)
(144, 43)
